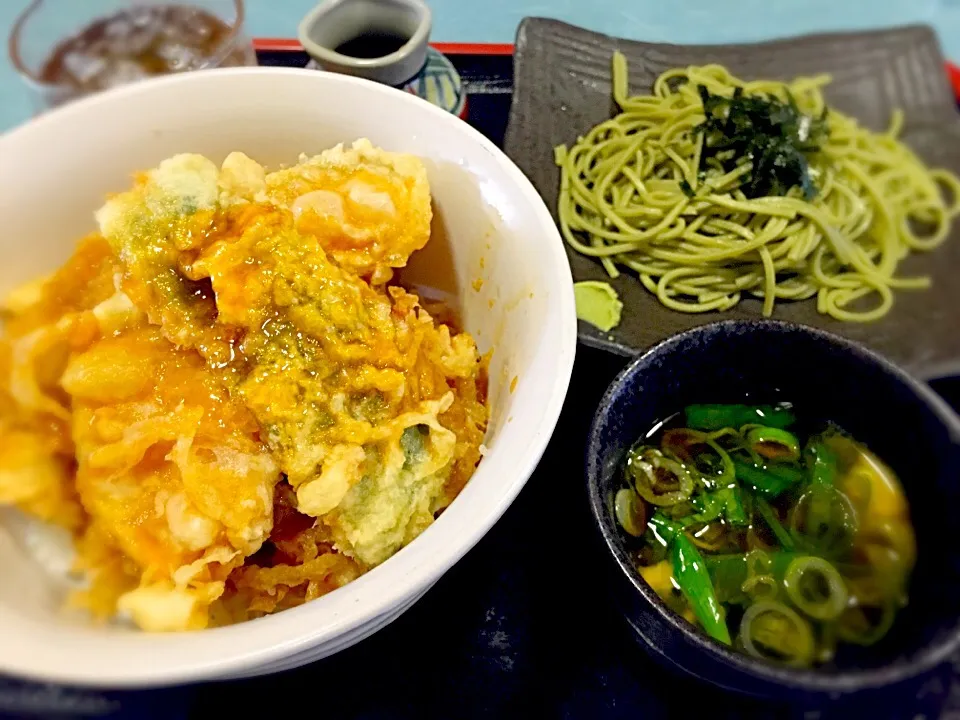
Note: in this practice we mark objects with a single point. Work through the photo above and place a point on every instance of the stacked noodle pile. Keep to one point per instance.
(644, 191)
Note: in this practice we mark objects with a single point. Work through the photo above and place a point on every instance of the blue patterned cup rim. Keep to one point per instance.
(437, 82)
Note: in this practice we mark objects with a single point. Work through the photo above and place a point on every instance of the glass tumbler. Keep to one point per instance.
(64, 49)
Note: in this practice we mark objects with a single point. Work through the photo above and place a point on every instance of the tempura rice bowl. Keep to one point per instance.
(494, 247)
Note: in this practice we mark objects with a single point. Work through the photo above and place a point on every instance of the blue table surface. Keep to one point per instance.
(495, 21)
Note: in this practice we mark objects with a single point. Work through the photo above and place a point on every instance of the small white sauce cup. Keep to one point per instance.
(332, 23)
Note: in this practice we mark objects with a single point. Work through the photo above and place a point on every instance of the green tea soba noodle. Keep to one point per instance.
(712, 189)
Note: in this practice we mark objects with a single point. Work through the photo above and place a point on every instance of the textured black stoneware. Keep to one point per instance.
(562, 89)
(897, 416)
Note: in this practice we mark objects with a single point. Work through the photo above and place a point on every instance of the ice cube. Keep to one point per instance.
(82, 67)
(178, 56)
(194, 24)
(133, 44)
(118, 27)
(121, 72)
(179, 20)
(201, 30)
(143, 17)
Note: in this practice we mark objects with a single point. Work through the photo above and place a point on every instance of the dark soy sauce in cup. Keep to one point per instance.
(372, 44)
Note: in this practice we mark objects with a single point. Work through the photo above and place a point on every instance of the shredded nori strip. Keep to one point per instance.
(775, 136)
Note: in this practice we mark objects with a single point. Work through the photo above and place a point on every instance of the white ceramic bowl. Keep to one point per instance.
(490, 225)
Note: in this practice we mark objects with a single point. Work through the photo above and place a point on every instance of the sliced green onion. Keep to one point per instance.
(770, 518)
(723, 432)
(726, 503)
(823, 521)
(658, 479)
(772, 631)
(630, 512)
(690, 572)
(701, 452)
(719, 472)
(774, 443)
(760, 583)
(759, 562)
(683, 443)
(857, 626)
(718, 417)
(760, 587)
(711, 537)
(816, 588)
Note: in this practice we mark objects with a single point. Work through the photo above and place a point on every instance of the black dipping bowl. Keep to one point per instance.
(898, 417)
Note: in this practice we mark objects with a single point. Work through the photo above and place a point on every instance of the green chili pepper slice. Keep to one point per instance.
(821, 464)
(664, 530)
(771, 481)
(734, 510)
(731, 572)
(728, 573)
(717, 417)
(691, 574)
(826, 515)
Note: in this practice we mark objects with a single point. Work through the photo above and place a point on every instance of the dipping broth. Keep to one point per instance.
(372, 44)
(780, 538)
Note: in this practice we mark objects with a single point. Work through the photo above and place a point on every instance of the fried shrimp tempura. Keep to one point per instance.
(223, 400)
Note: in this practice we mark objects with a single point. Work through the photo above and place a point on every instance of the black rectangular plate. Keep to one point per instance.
(562, 89)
